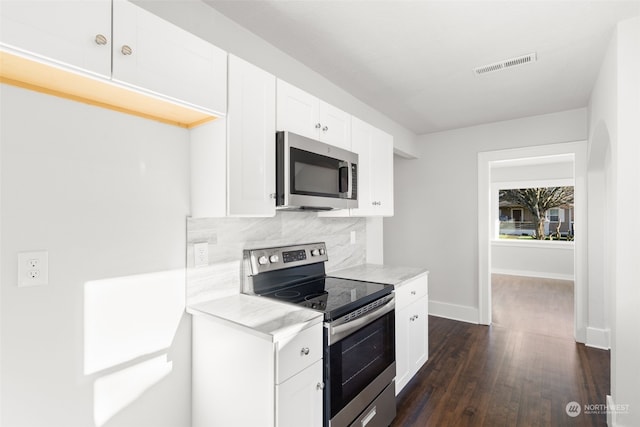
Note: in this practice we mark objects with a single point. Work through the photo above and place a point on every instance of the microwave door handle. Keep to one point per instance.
(342, 168)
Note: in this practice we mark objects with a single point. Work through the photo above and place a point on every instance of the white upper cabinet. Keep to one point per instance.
(302, 113)
(335, 126)
(381, 173)
(74, 33)
(375, 170)
(115, 55)
(297, 111)
(251, 134)
(155, 55)
(233, 160)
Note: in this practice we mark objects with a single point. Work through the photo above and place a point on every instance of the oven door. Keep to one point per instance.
(359, 364)
(312, 174)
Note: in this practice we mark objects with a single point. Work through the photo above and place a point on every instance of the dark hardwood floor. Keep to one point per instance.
(521, 371)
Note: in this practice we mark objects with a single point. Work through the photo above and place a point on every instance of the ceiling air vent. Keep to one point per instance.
(507, 63)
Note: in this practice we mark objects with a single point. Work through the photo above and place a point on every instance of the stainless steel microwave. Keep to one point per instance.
(311, 175)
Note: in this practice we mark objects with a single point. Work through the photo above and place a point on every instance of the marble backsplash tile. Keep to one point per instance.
(228, 237)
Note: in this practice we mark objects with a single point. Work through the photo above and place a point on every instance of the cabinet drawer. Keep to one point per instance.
(411, 291)
(295, 353)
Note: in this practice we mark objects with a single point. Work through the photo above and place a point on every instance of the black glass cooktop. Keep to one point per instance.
(332, 295)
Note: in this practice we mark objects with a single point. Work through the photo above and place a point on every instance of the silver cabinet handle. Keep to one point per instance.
(101, 39)
(320, 386)
(318, 125)
(304, 351)
(126, 50)
(413, 292)
(326, 128)
(272, 195)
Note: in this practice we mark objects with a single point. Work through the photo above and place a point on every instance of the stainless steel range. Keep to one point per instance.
(359, 329)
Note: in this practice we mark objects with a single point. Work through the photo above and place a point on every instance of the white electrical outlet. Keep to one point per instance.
(33, 268)
(201, 254)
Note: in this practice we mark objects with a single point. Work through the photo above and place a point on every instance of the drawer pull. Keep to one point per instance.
(320, 386)
(304, 351)
(369, 417)
(413, 292)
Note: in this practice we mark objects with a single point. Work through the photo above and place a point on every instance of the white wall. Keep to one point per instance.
(436, 202)
(614, 109)
(209, 24)
(106, 342)
(553, 260)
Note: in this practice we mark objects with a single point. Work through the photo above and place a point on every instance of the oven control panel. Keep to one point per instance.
(293, 256)
(277, 258)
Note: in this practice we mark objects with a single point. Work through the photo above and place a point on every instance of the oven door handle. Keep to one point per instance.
(343, 330)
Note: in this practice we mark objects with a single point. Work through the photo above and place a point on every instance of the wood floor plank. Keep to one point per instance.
(518, 374)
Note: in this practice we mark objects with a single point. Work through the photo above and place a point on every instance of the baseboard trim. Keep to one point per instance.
(598, 338)
(463, 313)
(540, 274)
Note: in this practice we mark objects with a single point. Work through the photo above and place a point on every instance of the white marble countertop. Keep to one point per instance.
(264, 317)
(390, 275)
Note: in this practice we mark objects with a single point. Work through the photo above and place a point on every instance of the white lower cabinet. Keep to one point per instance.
(299, 399)
(240, 378)
(412, 329)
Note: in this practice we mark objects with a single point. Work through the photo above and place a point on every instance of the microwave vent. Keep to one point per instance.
(507, 63)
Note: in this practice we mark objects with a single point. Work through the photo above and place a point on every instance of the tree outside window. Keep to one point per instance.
(549, 211)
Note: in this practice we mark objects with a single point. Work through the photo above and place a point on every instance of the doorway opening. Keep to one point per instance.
(534, 167)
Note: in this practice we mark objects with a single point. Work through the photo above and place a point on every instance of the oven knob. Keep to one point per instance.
(274, 258)
(315, 252)
(263, 260)
(322, 251)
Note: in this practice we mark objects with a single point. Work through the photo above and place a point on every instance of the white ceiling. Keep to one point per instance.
(413, 60)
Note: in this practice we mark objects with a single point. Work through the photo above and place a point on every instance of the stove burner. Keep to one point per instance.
(315, 295)
(287, 294)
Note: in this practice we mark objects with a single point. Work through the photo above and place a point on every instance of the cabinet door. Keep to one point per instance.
(419, 335)
(361, 140)
(60, 31)
(251, 140)
(381, 164)
(403, 324)
(155, 55)
(412, 342)
(335, 126)
(297, 111)
(299, 399)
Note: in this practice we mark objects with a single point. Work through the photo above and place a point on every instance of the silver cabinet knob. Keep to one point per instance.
(272, 195)
(326, 128)
(126, 50)
(413, 292)
(320, 386)
(304, 351)
(318, 125)
(101, 39)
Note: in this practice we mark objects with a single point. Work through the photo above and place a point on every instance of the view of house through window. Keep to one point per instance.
(544, 213)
